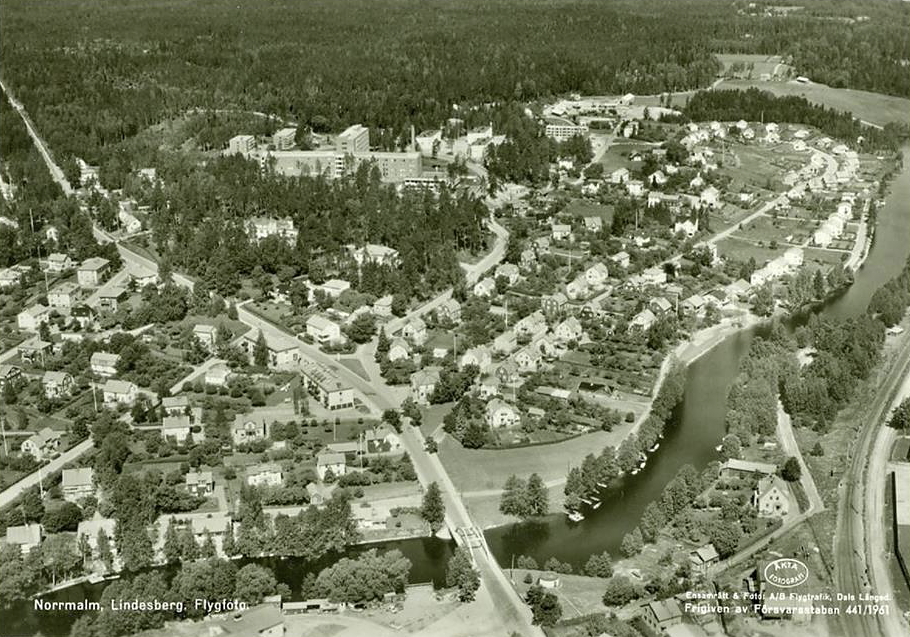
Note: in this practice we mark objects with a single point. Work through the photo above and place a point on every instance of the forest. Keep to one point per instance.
(100, 73)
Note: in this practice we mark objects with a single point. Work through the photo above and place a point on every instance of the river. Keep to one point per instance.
(696, 429)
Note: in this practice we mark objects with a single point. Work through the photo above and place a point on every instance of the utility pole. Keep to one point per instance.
(3, 433)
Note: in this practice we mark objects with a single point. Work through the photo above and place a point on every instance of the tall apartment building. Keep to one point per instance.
(284, 138)
(242, 144)
(356, 139)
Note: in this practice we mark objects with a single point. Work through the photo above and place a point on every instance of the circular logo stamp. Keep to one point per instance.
(786, 572)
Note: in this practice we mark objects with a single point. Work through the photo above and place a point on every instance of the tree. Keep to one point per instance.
(619, 591)
(369, 577)
(460, 572)
(900, 418)
(791, 471)
(253, 583)
(537, 498)
(599, 565)
(105, 554)
(362, 328)
(65, 517)
(545, 606)
(433, 509)
(652, 521)
(730, 447)
(725, 536)
(817, 449)
(171, 543)
(513, 498)
(261, 351)
(59, 555)
(632, 542)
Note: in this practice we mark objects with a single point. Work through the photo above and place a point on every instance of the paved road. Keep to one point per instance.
(56, 172)
(56, 464)
(129, 256)
(788, 444)
(852, 549)
(201, 368)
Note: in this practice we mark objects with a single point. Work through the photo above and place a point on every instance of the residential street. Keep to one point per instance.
(56, 464)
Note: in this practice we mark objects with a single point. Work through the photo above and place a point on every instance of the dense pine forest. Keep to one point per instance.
(94, 73)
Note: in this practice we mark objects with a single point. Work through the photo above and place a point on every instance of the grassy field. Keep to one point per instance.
(617, 156)
(742, 250)
(767, 229)
(579, 208)
(756, 65)
(871, 107)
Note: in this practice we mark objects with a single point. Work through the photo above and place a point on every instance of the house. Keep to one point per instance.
(568, 330)
(217, 375)
(660, 306)
(283, 351)
(319, 493)
(635, 188)
(264, 475)
(260, 228)
(509, 271)
(382, 439)
(694, 304)
(109, 299)
(77, 484)
(771, 497)
(207, 335)
(34, 350)
(528, 259)
(382, 307)
(710, 196)
(175, 405)
(739, 468)
(58, 262)
(326, 387)
(423, 382)
(450, 309)
(64, 296)
(687, 227)
(104, 364)
(399, 350)
(42, 445)
(199, 483)
(415, 331)
(561, 231)
(140, 275)
(485, 287)
(594, 224)
(26, 536)
(657, 178)
(527, 359)
(643, 320)
(119, 392)
(179, 428)
(9, 277)
(531, 325)
(373, 253)
(92, 528)
(506, 372)
(499, 413)
(248, 428)
(32, 317)
(619, 176)
(335, 287)
(323, 330)
(621, 258)
(655, 275)
(479, 356)
(57, 384)
(9, 375)
(326, 462)
(597, 275)
(577, 288)
(546, 345)
(660, 615)
(553, 304)
(738, 290)
(704, 556)
(488, 386)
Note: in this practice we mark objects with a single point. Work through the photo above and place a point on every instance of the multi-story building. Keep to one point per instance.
(43, 444)
(78, 483)
(261, 227)
(355, 139)
(326, 387)
(284, 138)
(562, 130)
(248, 428)
(283, 351)
(91, 272)
(241, 144)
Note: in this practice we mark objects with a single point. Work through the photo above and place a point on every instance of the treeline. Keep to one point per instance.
(755, 105)
(597, 470)
(198, 223)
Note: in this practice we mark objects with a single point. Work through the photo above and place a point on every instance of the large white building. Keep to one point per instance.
(284, 139)
(241, 144)
(561, 130)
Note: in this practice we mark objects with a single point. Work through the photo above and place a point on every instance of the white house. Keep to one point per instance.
(710, 196)
(423, 382)
(415, 331)
(77, 484)
(619, 176)
(635, 188)
(32, 317)
(91, 272)
(42, 445)
(479, 356)
(217, 375)
(597, 275)
(509, 271)
(104, 363)
(119, 392)
(207, 335)
(57, 384)
(333, 462)
(687, 227)
(323, 330)
(248, 428)
(58, 262)
(561, 231)
(621, 258)
(499, 413)
(568, 330)
(27, 537)
(399, 350)
(577, 287)
(267, 474)
(643, 320)
(771, 497)
(485, 287)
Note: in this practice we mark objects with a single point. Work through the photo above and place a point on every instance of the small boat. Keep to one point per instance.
(575, 516)
(718, 447)
(635, 472)
(597, 504)
(587, 501)
(641, 465)
(602, 485)
(654, 448)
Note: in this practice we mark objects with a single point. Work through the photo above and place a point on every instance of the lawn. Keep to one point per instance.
(872, 107)
(765, 229)
(743, 250)
(355, 366)
(617, 156)
(579, 208)
(756, 65)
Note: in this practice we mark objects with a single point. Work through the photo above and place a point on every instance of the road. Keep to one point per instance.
(56, 172)
(56, 464)
(788, 445)
(513, 611)
(860, 502)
